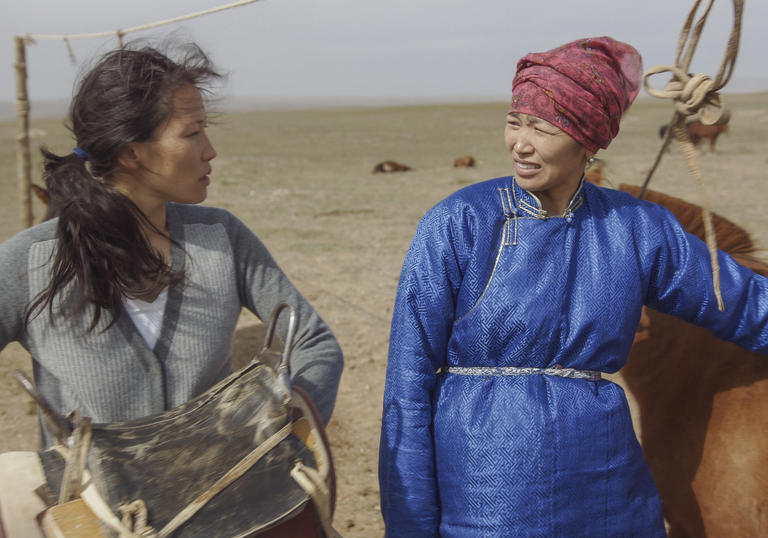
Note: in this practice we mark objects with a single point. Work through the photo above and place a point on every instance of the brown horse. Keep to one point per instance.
(703, 407)
(467, 161)
(698, 132)
(386, 167)
(663, 128)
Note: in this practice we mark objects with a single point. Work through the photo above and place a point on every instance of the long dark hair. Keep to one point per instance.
(101, 247)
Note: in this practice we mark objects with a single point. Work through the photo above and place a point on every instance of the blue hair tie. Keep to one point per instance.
(80, 153)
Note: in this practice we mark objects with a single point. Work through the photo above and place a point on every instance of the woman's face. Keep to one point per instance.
(174, 165)
(547, 161)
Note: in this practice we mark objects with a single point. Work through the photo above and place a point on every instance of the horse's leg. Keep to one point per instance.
(20, 474)
(695, 140)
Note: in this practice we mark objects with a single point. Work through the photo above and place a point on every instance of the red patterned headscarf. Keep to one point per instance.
(582, 87)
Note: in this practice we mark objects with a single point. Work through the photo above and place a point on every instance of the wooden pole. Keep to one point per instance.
(23, 164)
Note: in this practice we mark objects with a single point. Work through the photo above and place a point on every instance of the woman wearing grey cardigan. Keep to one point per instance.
(128, 301)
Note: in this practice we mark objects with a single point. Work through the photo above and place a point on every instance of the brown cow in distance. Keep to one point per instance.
(698, 132)
(390, 166)
(703, 407)
(467, 161)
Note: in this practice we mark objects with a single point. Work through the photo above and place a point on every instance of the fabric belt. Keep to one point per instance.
(558, 371)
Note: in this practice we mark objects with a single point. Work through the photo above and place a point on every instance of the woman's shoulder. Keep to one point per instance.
(39, 233)
(635, 219)
(188, 214)
(480, 191)
(193, 213)
(468, 211)
(622, 202)
(208, 221)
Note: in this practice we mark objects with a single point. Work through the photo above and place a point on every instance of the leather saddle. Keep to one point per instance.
(249, 457)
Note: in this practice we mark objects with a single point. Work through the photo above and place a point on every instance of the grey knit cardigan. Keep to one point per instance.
(112, 375)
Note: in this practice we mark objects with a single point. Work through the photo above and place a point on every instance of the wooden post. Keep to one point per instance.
(23, 164)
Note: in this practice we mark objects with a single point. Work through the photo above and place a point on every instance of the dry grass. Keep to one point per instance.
(302, 181)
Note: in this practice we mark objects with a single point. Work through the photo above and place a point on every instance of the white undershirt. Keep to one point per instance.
(148, 317)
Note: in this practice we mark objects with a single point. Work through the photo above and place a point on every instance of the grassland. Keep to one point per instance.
(301, 179)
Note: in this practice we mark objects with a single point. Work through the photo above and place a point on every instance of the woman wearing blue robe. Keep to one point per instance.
(515, 295)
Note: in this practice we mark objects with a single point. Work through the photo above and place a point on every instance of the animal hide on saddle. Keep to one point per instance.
(248, 457)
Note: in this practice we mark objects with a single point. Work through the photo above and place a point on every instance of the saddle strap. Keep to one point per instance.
(233, 474)
(317, 483)
(75, 456)
(314, 484)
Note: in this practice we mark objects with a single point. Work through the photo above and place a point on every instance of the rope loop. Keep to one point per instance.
(696, 94)
(134, 519)
(692, 94)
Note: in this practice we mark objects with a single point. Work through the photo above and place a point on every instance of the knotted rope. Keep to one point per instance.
(696, 94)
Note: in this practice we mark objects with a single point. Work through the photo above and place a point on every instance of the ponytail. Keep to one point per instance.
(101, 247)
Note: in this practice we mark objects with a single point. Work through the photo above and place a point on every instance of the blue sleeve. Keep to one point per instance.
(681, 284)
(421, 325)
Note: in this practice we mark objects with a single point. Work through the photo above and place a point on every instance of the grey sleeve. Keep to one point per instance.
(316, 359)
(14, 285)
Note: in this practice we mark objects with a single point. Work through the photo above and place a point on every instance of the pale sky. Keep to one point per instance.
(307, 50)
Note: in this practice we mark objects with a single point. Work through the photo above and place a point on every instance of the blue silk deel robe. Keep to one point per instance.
(488, 281)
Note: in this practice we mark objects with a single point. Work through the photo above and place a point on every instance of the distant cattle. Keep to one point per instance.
(698, 131)
(703, 406)
(468, 161)
(390, 166)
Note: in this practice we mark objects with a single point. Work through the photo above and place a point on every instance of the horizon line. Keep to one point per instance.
(53, 108)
